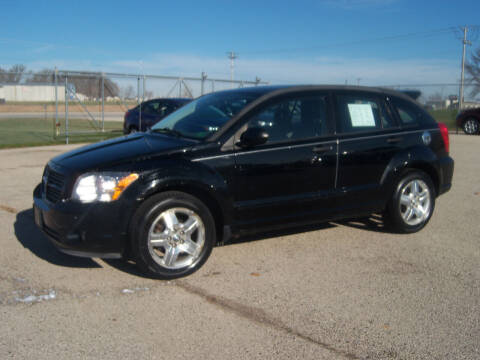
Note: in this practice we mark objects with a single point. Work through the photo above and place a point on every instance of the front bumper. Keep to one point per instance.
(89, 230)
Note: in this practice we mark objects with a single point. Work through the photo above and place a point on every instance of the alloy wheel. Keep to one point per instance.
(415, 202)
(176, 238)
(471, 126)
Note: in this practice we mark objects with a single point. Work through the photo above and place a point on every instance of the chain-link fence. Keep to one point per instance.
(61, 106)
(54, 105)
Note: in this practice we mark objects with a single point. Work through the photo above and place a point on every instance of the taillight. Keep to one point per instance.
(444, 131)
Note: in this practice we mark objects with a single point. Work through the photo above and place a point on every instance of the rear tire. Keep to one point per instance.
(471, 126)
(412, 203)
(172, 235)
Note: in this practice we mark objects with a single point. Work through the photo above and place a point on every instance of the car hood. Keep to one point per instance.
(119, 151)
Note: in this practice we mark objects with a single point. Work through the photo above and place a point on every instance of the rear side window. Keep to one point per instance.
(410, 114)
(358, 113)
(150, 108)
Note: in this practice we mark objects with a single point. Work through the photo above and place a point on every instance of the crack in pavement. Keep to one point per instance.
(8, 209)
(25, 167)
(258, 316)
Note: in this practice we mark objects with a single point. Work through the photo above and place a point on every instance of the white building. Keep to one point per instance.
(31, 92)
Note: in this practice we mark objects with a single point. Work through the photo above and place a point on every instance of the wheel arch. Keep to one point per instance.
(207, 194)
(430, 171)
(393, 214)
(469, 116)
(423, 159)
(205, 197)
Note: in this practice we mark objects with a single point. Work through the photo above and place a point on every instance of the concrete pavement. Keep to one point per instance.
(345, 290)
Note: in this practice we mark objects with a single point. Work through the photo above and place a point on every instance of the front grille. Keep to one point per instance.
(54, 185)
(55, 179)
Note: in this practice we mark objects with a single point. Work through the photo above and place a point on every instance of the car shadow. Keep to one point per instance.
(374, 222)
(127, 266)
(33, 239)
(288, 230)
(130, 267)
(30, 236)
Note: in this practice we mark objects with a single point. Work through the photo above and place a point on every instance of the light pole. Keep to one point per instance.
(462, 79)
(232, 56)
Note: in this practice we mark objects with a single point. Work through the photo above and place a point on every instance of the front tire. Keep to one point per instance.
(412, 203)
(471, 126)
(172, 235)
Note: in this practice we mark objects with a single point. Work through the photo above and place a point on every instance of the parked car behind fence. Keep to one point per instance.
(148, 113)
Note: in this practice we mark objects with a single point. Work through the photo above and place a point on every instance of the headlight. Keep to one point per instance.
(102, 186)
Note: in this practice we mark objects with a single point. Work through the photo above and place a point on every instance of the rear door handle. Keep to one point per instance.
(321, 149)
(394, 139)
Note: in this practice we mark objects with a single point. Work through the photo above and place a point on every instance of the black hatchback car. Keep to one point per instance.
(240, 161)
(143, 116)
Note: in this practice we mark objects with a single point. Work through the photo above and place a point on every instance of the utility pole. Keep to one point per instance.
(232, 56)
(202, 88)
(462, 79)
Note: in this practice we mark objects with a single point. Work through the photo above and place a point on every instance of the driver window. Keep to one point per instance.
(294, 118)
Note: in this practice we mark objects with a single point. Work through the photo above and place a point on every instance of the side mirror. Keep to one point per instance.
(252, 137)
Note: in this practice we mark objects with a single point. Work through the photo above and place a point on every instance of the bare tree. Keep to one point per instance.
(128, 92)
(88, 85)
(13, 75)
(42, 76)
(437, 96)
(111, 88)
(2, 75)
(472, 68)
(148, 94)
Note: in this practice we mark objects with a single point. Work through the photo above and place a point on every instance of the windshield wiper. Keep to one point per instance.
(168, 131)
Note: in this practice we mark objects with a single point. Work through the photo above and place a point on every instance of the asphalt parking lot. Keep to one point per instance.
(344, 290)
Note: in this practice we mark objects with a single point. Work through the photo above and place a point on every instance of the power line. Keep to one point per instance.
(423, 34)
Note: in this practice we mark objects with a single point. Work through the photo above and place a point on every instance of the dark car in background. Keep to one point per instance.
(148, 113)
(469, 121)
(243, 161)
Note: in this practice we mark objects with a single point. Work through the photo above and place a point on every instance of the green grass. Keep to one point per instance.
(445, 116)
(36, 132)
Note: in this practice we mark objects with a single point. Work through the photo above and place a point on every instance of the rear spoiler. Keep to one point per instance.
(414, 94)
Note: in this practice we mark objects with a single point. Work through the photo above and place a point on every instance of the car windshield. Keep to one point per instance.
(206, 115)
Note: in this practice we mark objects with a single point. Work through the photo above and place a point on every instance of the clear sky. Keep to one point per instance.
(309, 41)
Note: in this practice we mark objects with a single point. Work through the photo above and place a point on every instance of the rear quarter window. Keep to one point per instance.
(410, 114)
